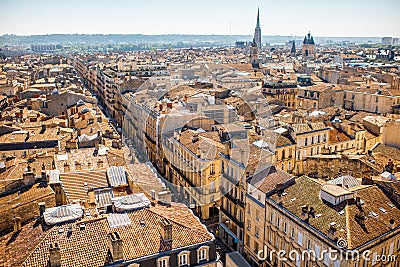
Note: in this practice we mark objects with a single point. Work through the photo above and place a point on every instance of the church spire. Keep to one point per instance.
(257, 32)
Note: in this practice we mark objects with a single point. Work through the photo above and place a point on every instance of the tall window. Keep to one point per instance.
(212, 169)
(163, 262)
(183, 259)
(202, 254)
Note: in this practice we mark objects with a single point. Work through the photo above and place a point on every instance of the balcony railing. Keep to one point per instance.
(231, 217)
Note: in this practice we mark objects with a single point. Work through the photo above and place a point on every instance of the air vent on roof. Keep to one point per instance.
(383, 210)
(332, 224)
(391, 205)
(61, 230)
(341, 212)
(142, 223)
(292, 199)
(318, 215)
(284, 194)
(373, 214)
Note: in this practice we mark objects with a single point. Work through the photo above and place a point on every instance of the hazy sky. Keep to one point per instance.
(278, 17)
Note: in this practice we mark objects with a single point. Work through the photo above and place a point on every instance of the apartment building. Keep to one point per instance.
(285, 92)
(310, 139)
(314, 97)
(308, 217)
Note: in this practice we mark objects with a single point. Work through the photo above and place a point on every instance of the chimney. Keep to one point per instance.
(332, 232)
(279, 199)
(360, 218)
(17, 224)
(27, 136)
(99, 164)
(28, 174)
(221, 133)
(228, 147)
(195, 138)
(391, 224)
(78, 166)
(311, 212)
(164, 197)
(166, 230)
(42, 208)
(55, 255)
(115, 246)
(358, 202)
(67, 167)
(304, 213)
(43, 128)
(153, 194)
(198, 153)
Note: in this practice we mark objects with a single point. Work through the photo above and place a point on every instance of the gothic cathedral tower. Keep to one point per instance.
(257, 32)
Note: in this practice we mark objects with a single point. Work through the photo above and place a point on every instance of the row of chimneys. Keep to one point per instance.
(78, 166)
(115, 241)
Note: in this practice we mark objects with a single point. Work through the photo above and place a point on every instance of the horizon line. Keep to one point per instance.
(197, 34)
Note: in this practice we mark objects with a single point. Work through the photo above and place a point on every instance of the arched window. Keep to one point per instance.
(202, 253)
(183, 258)
(163, 262)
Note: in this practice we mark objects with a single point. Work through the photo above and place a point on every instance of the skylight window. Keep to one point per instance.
(373, 214)
(383, 210)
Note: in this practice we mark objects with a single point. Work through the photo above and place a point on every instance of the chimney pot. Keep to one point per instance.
(115, 246)
(55, 255)
(391, 224)
(42, 208)
(17, 224)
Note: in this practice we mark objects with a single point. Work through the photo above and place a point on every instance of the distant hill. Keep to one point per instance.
(182, 40)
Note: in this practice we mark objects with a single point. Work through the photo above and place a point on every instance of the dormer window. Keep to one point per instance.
(163, 262)
(183, 258)
(202, 253)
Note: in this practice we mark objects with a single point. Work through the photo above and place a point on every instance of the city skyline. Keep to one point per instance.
(287, 17)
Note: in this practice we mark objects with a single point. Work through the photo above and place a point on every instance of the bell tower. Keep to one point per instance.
(308, 47)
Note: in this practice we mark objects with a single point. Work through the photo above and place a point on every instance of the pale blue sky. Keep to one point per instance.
(278, 17)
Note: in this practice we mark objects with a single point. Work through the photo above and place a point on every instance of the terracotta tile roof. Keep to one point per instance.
(268, 179)
(75, 184)
(85, 157)
(282, 141)
(208, 142)
(139, 241)
(306, 191)
(16, 247)
(337, 136)
(88, 246)
(374, 200)
(25, 196)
